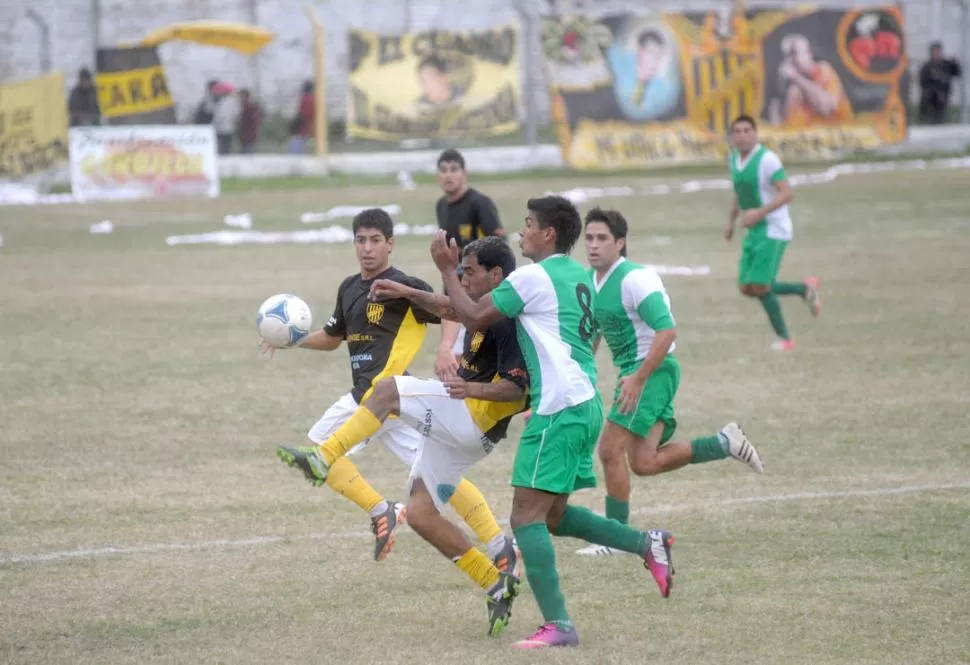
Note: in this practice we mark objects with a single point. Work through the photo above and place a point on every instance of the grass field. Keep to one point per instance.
(137, 415)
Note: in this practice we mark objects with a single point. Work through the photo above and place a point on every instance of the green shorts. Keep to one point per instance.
(656, 403)
(555, 452)
(760, 258)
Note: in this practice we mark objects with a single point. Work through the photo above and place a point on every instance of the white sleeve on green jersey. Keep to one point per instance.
(771, 169)
(637, 287)
(525, 291)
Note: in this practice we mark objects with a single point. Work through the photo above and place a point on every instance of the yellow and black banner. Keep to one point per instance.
(132, 88)
(33, 126)
(633, 90)
(434, 84)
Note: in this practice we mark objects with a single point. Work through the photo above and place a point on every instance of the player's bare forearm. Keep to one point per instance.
(473, 315)
(434, 303)
(321, 341)
(735, 210)
(784, 196)
(502, 390)
(449, 332)
(662, 341)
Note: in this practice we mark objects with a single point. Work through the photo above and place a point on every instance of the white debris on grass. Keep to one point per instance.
(339, 212)
(102, 228)
(240, 221)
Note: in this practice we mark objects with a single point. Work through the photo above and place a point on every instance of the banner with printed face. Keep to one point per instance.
(632, 91)
(111, 163)
(132, 88)
(33, 126)
(434, 84)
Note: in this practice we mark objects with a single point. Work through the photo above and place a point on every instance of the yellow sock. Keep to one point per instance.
(476, 565)
(345, 479)
(473, 508)
(359, 427)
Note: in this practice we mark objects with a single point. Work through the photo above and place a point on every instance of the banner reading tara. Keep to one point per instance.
(630, 91)
(113, 163)
(434, 84)
(33, 126)
(132, 88)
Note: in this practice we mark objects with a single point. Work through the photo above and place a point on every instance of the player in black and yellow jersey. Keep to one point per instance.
(466, 214)
(462, 419)
(382, 339)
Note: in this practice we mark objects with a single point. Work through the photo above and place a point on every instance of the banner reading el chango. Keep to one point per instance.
(434, 84)
(632, 91)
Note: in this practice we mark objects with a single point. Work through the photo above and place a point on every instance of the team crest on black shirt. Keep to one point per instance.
(375, 312)
(476, 342)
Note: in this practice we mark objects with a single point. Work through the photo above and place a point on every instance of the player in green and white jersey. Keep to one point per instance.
(552, 302)
(761, 196)
(633, 315)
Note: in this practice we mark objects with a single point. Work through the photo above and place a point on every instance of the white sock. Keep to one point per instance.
(379, 510)
(496, 545)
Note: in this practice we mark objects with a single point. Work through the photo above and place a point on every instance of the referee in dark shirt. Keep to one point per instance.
(466, 214)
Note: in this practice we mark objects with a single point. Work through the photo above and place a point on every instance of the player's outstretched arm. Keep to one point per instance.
(439, 305)
(321, 341)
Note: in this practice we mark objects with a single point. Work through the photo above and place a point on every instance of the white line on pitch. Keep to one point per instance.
(92, 553)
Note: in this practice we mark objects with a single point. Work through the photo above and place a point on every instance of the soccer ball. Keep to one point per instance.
(283, 320)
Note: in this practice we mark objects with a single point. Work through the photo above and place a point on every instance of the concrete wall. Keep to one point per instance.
(278, 71)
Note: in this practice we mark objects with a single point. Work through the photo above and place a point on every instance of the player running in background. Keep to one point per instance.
(463, 419)
(382, 339)
(551, 302)
(761, 196)
(466, 215)
(633, 315)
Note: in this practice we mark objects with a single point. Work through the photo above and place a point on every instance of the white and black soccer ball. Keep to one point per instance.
(283, 320)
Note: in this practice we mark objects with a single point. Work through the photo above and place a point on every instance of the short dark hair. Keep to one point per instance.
(614, 221)
(491, 252)
(452, 155)
(433, 61)
(560, 214)
(744, 117)
(649, 36)
(376, 219)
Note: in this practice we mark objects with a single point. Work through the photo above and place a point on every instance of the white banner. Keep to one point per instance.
(133, 162)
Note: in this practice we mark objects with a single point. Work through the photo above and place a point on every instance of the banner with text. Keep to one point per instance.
(434, 84)
(33, 126)
(631, 91)
(132, 88)
(109, 163)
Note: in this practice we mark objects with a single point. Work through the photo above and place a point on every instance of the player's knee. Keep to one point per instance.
(645, 465)
(421, 511)
(610, 455)
(385, 395)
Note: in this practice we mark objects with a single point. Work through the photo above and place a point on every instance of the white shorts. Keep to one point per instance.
(401, 439)
(459, 346)
(453, 443)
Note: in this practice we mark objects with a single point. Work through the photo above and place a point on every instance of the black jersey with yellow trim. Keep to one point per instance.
(471, 217)
(488, 357)
(382, 337)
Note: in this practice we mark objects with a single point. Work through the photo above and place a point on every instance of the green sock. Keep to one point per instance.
(788, 288)
(617, 509)
(540, 569)
(770, 302)
(708, 449)
(578, 522)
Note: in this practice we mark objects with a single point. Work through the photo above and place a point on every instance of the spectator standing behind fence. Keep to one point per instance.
(83, 102)
(302, 126)
(935, 80)
(225, 118)
(250, 120)
(206, 109)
